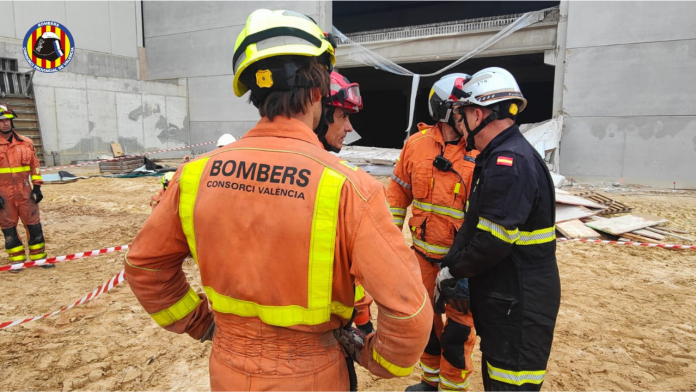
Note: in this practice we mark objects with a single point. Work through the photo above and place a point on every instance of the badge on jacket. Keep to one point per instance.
(504, 161)
(469, 159)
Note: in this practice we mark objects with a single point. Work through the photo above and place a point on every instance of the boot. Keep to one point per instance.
(422, 386)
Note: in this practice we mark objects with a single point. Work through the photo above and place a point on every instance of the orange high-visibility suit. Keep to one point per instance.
(280, 229)
(19, 169)
(438, 201)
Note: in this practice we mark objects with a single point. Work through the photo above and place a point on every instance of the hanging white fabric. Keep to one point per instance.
(361, 54)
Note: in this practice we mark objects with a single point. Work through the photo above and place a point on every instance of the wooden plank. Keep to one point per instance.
(672, 229)
(636, 237)
(577, 201)
(116, 149)
(565, 212)
(669, 234)
(576, 229)
(626, 223)
(647, 233)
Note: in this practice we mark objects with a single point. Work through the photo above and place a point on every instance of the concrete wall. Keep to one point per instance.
(195, 40)
(629, 85)
(99, 98)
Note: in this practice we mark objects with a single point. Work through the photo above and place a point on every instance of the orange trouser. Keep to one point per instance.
(447, 360)
(249, 355)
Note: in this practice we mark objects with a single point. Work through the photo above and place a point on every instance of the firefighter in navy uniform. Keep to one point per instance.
(506, 246)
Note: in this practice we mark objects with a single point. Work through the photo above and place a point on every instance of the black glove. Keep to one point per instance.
(36, 194)
(449, 289)
(2, 204)
(352, 340)
(366, 328)
(208, 335)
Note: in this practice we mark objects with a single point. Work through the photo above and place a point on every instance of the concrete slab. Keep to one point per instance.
(129, 110)
(102, 64)
(60, 80)
(596, 23)
(28, 13)
(154, 121)
(638, 150)
(647, 79)
(103, 124)
(72, 121)
(122, 21)
(177, 134)
(46, 102)
(191, 16)
(200, 53)
(157, 88)
(212, 98)
(113, 84)
(7, 23)
(88, 21)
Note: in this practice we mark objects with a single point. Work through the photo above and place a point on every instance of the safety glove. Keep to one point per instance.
(2, 204)
(449, 289)
(352, 340)
(366, 328)
(208, 335)
(36, 194)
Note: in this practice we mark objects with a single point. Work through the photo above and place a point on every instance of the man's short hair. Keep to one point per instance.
(296, 100)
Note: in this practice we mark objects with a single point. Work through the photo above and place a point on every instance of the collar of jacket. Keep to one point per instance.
(497, 141)
(284, 127)
(437, 134)
(15, 139)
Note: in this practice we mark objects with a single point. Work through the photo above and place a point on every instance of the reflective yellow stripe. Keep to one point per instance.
(435, 378)
(456, 188)
(391, 368)
(320, 270)
(38, 256)
(428, 369)
(15, 249)
(536, 237)
(451, 385)
(398, 221)
(467, 206)
(188, 189)
(37, 246)
(441, 210)
(359, 293)
(18, 258)
(400, 181)
(498, 231)
(395, 211)
(281, 316)
(36, 178)
(436, 249)
(15, 169)
(179, 310)
(516, 378)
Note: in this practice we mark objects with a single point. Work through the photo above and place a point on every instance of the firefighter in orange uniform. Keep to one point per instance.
(281, 229)
(19, 170)
(433, 175)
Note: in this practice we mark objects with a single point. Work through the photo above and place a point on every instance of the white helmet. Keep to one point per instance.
(441, 99)
(225, 140)
(490, 86)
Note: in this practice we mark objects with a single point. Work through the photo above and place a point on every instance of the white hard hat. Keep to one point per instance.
(225, 140)
(441, 99)
(488, 87)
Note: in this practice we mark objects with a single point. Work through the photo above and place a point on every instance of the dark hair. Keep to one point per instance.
(296, 100)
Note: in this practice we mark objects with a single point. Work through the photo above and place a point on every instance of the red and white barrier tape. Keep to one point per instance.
(128, 156)
(666, 246)
(110, 284)
(54, 260)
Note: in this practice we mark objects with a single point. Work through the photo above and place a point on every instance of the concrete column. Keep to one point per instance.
(325, 12)
(559, 75)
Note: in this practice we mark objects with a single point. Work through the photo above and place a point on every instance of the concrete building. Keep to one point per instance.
(158, 74)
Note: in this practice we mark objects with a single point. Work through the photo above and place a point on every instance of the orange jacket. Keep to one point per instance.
(281, 229)
(438, 197)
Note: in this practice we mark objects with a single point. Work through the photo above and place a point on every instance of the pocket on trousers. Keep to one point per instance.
(500, 328)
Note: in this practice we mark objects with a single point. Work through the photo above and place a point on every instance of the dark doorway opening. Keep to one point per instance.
(384, 118)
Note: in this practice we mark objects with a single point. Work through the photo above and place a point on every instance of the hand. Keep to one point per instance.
(449, 289)
(36, 194)
(208, 335)
(2, 204)
(352, 340)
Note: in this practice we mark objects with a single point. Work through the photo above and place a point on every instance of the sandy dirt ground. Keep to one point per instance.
(627, 319)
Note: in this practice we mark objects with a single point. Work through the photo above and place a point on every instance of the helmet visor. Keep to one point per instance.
(351, 97)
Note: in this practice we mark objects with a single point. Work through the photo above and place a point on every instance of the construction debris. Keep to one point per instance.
(612, 206)
(576, 229)
(566, 212)
(625, 224)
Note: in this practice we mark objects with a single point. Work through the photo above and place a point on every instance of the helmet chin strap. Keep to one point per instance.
(323, 127)
(470, 142)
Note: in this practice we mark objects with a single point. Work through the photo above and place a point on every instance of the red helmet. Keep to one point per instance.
(345, 94)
